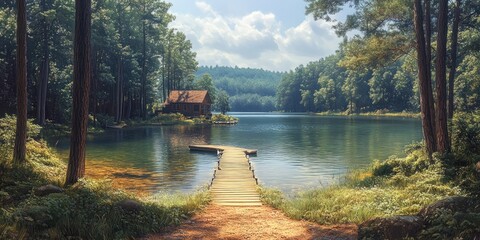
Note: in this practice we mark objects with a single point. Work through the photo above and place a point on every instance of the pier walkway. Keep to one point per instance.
(234, 182)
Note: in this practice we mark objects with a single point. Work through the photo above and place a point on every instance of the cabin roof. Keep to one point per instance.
(188, 96)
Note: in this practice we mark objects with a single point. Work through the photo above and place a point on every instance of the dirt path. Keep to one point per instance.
(221, 222)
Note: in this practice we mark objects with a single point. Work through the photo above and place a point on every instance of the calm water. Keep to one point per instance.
(294, 151)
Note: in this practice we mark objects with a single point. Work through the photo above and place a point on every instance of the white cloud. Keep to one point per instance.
(203, 6)
(255, 40)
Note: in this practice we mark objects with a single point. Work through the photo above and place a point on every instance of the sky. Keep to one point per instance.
(274, 35)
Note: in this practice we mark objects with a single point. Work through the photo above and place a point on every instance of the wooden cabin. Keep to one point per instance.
(191, 103)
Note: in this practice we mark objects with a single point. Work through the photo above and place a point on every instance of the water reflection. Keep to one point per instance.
(148, 159)
(294, 151)
(301, 151)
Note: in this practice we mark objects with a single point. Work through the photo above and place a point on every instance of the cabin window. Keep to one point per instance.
(196, 108)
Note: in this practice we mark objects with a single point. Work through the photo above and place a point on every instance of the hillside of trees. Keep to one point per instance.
(378, 70)
(249, 90)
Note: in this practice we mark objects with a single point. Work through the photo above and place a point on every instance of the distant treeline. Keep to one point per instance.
(325, 85)
(250, 90)
(398, 47)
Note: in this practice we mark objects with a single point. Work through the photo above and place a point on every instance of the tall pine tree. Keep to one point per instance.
(81, 87)
(19, 151)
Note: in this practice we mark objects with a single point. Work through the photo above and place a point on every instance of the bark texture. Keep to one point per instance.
(81, 85)
(441, 78)
(427, 126)
(19, 151)
(44, 72)
(454, 49)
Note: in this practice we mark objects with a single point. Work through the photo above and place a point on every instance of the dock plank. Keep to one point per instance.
(234, 182)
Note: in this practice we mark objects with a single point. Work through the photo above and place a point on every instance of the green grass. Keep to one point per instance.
(223, 118)
(89, 209)
(60, 130)
(397, 186)
(170, 119)
(378, 113)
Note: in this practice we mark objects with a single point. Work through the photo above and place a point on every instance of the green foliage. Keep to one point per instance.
(128, 39)
(103, 120)
(467, 84)
(416, 161)
(397, 186)
(223, 104)
(466, 135)
(384, 51)
(223, 118)
(250, 90)
(206, 83)
(453, 225)
(91, 210)
(7, 135)
(252, 103)
(169, 117)
(272, 197)
(461, 164)
(88, 210)
(326, 85)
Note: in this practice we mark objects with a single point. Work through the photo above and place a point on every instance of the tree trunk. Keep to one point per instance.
(169, 74)
(81, 87)
(428, 49)
(143, 96)
(19, 150)
(95, 76)
(454, 48)
(128, 111)
(42, 88)
(164, 92)
(44, 72)
(119, 92)
(428, 132)
(441, 78)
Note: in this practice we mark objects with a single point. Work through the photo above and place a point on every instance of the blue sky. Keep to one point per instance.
(269, 34)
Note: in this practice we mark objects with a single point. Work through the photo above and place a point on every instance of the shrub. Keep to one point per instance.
(415, 161)
(104, 120)
(223, 118)
(169, 118)
(466, 136)
(396, 186)
(7, 135)
(88, 210)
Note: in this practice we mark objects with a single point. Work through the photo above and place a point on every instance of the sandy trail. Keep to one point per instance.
(220, 222)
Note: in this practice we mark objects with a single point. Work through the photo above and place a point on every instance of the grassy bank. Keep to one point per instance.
(372, 114)
(179, 119)
(397, 186)
(90, 209)
(223, 118)
(402, 186)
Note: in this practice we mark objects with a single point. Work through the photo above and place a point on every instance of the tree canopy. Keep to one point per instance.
(136, 58)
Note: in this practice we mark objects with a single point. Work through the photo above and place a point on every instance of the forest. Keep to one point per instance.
(136, 58)
(376, 68)
(249, 90)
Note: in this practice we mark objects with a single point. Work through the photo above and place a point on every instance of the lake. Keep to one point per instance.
(295, 151)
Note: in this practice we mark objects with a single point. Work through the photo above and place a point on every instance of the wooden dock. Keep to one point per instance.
(234, 182)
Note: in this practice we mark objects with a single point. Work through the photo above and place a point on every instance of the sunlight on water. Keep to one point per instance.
(294, 151)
